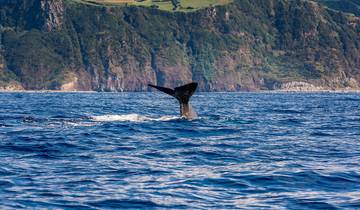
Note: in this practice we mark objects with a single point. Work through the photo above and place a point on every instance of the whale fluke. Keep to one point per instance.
(182, 94)
(164, 89)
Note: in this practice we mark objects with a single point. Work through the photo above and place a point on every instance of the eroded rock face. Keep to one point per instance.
(62, 45)
(114, 76)
(343, 84)
(53, 14)
(11, 86)
(300, 86)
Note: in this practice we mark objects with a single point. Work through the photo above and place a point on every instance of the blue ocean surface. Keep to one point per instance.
(131, 150)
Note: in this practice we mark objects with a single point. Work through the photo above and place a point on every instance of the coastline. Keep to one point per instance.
(256, 91)
(45, 91)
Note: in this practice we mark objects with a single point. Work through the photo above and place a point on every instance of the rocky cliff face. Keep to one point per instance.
(246, 45)
(53, 14)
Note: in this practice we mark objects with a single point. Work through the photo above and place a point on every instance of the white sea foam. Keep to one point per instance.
(80, 124)
(131, 118)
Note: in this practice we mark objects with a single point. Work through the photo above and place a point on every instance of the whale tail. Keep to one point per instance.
(182, 94)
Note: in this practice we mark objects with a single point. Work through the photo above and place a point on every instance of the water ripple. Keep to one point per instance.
(126, 150)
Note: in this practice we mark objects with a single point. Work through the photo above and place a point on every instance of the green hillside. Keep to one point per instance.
(245, 45)
(349, 6)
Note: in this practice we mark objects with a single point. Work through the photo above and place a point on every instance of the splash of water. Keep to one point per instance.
(131, 118)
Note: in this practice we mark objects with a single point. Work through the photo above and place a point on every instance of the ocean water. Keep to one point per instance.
(131, 150)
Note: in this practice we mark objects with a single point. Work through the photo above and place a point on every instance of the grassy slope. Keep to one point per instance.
(185, 5)
(349, 6)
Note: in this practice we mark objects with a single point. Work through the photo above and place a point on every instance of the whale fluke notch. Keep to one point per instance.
(182, 94)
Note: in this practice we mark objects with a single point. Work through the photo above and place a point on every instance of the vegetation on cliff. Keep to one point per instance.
(244, 45)
(349, 6)
(166, 5)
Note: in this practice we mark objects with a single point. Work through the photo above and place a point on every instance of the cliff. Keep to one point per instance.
(246, 45)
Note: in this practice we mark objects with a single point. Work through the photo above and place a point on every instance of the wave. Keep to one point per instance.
(131, 118)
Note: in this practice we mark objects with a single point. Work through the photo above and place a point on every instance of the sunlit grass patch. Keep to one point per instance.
(167, 5)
